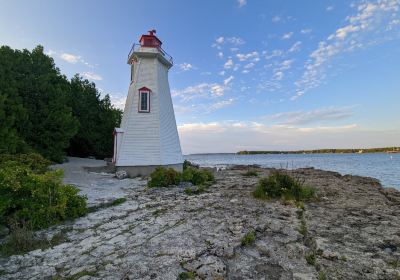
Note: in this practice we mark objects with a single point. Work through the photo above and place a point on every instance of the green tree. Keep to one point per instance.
(97, 119)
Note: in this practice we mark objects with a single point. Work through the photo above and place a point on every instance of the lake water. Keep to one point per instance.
(383, 166)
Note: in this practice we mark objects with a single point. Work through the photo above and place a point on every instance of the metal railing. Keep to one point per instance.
(136, 47)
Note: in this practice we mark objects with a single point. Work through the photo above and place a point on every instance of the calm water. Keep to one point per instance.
(385, 167)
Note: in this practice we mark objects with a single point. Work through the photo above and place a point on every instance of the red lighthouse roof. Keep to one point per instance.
(150, 40)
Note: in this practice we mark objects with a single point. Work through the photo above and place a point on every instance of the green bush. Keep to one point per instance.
(34, 196)
(164, 177)
(248, 239)
(251, 173)
(281, 185)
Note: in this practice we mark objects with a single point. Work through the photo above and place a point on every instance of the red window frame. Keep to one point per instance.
(148, 91)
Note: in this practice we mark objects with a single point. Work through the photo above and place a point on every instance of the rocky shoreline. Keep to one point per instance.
(352, 231)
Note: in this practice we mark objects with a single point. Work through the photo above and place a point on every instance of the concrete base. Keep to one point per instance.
(135, 171)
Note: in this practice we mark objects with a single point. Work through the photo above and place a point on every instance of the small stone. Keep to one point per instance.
(121, 174)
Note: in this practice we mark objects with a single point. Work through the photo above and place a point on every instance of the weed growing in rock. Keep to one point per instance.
(248, 239)
(200, 189)
(322, 276)
(251, 173)
(281, 185)
(186, 275)
(118, 201)
(310, 258)
(22, 240)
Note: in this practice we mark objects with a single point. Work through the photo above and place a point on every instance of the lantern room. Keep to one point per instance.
(150, 40)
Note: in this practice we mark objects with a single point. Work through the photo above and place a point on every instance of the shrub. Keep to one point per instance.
(164, 177)
(280, 184)
(32, 195)
(33, 161)
(251, 173)
(248, 239)
(22, 240)
(186, 275)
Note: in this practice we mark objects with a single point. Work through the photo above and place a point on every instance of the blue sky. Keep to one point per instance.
(247, 74)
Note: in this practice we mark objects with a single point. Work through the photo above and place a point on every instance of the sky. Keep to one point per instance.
(247, 74)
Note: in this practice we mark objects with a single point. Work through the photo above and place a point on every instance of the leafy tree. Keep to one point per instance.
(41, 110)
(97, 119)
(34, 86)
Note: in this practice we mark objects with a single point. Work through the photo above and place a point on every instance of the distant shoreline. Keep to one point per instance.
(327, 151)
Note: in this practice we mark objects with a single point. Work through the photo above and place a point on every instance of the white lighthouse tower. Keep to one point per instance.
(148, 136)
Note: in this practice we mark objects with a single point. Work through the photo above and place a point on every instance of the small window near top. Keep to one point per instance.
(144, 101)
(132, 71)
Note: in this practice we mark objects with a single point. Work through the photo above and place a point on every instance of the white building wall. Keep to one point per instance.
(170, 145)
(149, 138)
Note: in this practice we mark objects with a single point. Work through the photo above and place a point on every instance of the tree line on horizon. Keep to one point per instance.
(326, 151)
(43, 111)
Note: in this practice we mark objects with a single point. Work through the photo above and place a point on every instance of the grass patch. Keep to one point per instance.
(22, 240)
(322, 276)
(281, 185)
(310, 258)
(115, 202)
(250, 173)
(186, 275)
(248, 239)
(200, 189)
(165, 177)
(76, 276)
(118, 201)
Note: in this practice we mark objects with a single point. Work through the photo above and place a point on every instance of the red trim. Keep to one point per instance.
(144, 89)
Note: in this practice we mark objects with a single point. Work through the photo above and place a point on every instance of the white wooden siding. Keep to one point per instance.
(149, 138)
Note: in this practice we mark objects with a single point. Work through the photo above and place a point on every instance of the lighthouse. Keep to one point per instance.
(148, 136)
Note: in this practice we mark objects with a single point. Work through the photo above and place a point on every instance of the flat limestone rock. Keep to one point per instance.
(352, 232)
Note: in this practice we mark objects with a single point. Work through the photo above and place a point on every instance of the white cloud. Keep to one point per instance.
(275, 53)
(186, 66)
(220, 40)
(233, 136)
(363, 28)
(70, 58)
(222, 104)
(306, 31)
(287, 36)
(202, 90)
(242, 3)
(228, 64)
(220, 54)
(92, 76)
(118, 101)
(314, 116)
(278, 75)
(329, 8)
(235, 41)
(250, 65)
(222, 73)
(249, 56)
(234, 49)
(295, 47)
(276, 19)
(228, 80)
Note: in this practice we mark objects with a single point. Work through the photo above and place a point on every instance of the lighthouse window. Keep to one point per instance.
(144, 101)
